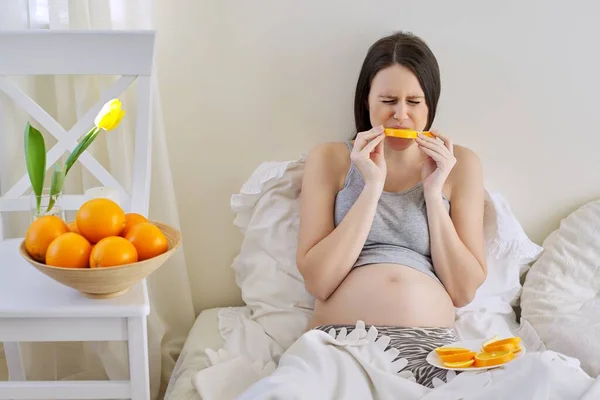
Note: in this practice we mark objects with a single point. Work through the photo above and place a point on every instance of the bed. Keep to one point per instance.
(204, 334)
(247, 343)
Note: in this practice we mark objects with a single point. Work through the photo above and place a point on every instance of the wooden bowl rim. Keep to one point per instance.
(172, 231)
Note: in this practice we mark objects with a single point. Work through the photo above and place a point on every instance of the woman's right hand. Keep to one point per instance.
(367, 155)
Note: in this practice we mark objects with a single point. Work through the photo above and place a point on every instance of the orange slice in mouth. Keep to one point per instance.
(486, 359)
(461, 364)
(451, 350)
(405, 133)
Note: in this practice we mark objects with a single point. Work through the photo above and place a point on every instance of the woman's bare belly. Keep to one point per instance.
(386, 294)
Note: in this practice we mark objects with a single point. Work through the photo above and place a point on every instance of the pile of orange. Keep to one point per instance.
(493, 352)
(102, 235)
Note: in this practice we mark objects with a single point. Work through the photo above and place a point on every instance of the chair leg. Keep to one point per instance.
(139, 373)
(14, 361)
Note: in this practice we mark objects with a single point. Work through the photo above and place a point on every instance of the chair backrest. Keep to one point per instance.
(127, 54)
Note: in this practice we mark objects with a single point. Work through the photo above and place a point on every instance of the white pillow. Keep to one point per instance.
(561, 293)
(508, 253)
(267, 213)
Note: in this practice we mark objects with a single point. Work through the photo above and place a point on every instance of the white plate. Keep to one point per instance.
(474, 345)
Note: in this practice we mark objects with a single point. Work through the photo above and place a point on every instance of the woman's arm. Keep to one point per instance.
(327, 253)
(457, 240)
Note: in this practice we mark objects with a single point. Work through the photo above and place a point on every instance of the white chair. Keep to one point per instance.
(34, 307)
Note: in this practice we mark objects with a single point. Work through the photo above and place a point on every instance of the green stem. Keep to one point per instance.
(81, 147)
(50, 204)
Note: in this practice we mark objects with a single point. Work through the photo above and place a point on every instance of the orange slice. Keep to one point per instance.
(460, 364)
(405, 133)
(492, 339)
(502, 345)
(451, 350)
(458, 357)
(492, 359)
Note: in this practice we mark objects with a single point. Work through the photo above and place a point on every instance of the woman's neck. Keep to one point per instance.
(406, 159)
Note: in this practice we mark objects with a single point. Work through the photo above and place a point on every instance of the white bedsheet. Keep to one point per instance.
(204, 334)
(356, 366)
(249, 354)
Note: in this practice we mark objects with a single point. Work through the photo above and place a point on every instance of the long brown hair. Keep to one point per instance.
(409, 51)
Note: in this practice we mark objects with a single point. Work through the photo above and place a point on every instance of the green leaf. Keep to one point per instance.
(35, 158)
(81, 147)
(58, 178)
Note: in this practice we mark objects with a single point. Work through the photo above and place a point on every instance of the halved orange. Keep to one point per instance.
(502, 345)
(461, 364)
(458, 357)
(451, 350)
(486, 359)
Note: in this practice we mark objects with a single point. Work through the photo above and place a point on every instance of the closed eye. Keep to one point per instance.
(414, 102)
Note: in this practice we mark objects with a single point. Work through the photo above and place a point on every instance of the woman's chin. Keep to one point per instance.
(399, 144)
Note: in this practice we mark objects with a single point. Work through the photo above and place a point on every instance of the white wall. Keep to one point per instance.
(249, 81)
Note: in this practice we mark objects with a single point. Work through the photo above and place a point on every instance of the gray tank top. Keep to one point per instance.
(399, 233)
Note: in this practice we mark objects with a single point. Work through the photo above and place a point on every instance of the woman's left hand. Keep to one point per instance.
(439, 162)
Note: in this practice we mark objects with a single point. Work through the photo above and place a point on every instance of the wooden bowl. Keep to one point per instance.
(108, 282)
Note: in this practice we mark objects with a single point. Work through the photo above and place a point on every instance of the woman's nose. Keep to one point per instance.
(400, 112)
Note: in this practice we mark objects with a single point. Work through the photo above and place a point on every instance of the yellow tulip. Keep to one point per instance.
(110, 116)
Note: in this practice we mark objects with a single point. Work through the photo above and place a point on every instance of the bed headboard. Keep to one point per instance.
(268, 80)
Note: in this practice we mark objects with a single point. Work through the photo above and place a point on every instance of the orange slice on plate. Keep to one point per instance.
(502, 347)
(405, 133)
(451, 350)
(486, 359)
(492, 339)
(461, 364)
(509, 344)
(458, 357)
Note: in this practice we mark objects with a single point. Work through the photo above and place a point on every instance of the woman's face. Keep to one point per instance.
(396, 100)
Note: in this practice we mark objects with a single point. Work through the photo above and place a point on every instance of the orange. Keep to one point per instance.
(100, 218)
(460, 364)
(41, 233)
(451, 350)
(502, 345)
(458, 357)
(491, 359)
(73, 226)
(132, 219)
(69, 250)
(148, 240)
(112, 251)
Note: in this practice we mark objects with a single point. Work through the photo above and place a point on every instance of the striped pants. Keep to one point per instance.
(414, 344)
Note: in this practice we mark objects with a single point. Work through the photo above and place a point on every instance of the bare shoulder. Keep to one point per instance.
(466, 160)
(468, 169)
(330, 152)
(466, 155)
(329, 161)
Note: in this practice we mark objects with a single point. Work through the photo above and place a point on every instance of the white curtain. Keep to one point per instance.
(66, 98)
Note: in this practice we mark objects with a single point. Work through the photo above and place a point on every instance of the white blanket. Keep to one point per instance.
(320, 365)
